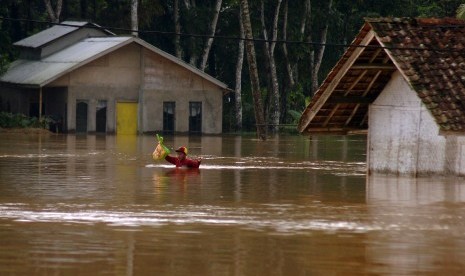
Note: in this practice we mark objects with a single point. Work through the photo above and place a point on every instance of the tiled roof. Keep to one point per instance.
(436, 71)
(429, 53)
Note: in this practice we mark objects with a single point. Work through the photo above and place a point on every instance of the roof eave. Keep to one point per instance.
(312, 109)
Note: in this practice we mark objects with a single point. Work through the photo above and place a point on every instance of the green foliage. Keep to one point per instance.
(10, 120)
(345, 19)
(3, 64)
(295, 115)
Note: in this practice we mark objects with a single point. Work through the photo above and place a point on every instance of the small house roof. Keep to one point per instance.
(48, 35)
(429, 54)
(38, 73)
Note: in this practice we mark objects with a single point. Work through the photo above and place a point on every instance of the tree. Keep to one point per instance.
(316, 55)
(54, 14)
(269, 53)
(177, 29)
(238, 87)
(208, 44)
(253, 71)
(134, 18)
(287, 65)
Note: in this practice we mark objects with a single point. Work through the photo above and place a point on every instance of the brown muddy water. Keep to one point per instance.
(93, 205)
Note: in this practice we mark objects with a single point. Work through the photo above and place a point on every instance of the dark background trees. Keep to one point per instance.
(288, 73)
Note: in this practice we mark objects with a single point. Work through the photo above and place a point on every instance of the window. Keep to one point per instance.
(81, 116)
(169, 109)
(195, 117)
(101, 117)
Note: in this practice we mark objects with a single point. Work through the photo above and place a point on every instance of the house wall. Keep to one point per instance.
(403, 137)
(112, 78)
(116, 77)
(166, 81)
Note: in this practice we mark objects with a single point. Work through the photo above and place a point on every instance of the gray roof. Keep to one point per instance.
(51, 34)
(38, 73)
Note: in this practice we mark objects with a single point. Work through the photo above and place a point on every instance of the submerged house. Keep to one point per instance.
(90, 80)
(403, 82)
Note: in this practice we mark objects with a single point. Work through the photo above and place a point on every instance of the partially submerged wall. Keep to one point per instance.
(165, 81)
(403, 137)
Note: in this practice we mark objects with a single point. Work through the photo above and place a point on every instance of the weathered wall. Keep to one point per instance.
(403, 137)
(117, 77)
(113, 77)
(455, 154)
(166, 81)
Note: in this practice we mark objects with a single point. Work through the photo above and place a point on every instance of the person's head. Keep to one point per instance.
(182, 152)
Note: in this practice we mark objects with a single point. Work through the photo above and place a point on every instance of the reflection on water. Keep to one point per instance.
(288, 206)
(423, 221)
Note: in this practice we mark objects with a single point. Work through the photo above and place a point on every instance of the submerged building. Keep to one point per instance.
(90, 80)
(403, 83)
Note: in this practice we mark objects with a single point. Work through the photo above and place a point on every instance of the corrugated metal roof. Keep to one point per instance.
(41, 72)
(50, 34)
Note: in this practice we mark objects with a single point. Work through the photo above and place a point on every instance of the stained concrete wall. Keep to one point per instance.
(113, 78)
(403, 137)
(165, 80)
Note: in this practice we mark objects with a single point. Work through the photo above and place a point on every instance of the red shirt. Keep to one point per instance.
(186, 162)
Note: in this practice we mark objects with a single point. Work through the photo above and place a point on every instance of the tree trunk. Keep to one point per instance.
(306, 17)
(318, 56)
(177, 30)
(270, 46)
(289, 75)
(238, 88)
(253, 71)
(134, 18)
(190, 4)
(206, 49)
(54, 14)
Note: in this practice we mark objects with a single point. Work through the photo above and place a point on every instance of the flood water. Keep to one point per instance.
(93, 205)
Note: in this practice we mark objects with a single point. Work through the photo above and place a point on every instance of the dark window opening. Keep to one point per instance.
(34, 109)
(169, 109)
(81, 116)
(195, 117)
(101, 117)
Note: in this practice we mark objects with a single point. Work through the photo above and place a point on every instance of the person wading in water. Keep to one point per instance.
(182, 160)
(162, 152)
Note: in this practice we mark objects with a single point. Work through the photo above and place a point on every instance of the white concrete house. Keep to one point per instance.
(405, 89)
(94, 81)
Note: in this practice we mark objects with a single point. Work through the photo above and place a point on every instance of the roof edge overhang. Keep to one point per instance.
(144, 44)
(335, 131)
(451, 133)
(344, 64)
(19, 85)
(84, 62)
(76, 25)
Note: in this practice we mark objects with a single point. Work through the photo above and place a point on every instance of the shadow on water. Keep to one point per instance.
(287, 206)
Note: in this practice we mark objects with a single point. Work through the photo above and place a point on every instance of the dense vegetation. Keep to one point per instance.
(288, 74)
(9, 120)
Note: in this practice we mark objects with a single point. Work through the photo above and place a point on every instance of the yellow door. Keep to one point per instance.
(126, 118)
